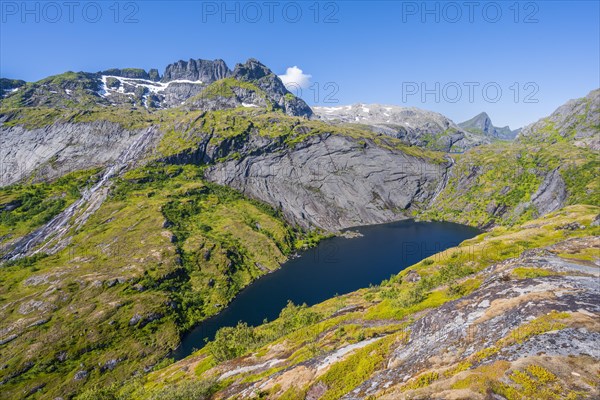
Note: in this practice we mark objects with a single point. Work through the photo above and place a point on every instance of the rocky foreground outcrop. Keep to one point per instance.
(508, 323)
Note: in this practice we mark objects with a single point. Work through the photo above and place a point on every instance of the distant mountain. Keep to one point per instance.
(577, 121)
(412, 125)
(482, 124)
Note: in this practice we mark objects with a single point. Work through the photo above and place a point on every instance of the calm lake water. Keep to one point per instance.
(336, 266)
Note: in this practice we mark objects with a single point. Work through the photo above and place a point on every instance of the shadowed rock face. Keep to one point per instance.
(551, 194)
(330, 181)
(7, 86)
(197, 70)
(252, 70)
(133, 73)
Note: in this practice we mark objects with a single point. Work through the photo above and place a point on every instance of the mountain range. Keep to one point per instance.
(134, 206)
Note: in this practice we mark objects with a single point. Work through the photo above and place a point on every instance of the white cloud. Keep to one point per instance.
(294, 78)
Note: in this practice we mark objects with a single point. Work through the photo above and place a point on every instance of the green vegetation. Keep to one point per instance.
(236, 341)
(535, 382)
(165, 251)
(344, 376)
(52, 92)
(38, 117)
(225, 88)
(421, 381)
(185, 132)
(494, 184)
(385, 312)
(526, 272)
(25, 207)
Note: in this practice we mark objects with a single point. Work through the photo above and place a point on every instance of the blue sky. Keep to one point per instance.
(430, 55)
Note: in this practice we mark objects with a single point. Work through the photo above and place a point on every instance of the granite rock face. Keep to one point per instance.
(47, 153)
(329, 181)
(205, 71)
(551, 194)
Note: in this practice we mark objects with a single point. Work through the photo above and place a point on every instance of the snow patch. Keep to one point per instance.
(154, 87)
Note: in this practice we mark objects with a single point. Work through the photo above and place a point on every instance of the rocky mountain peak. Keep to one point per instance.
(260, 75)
(483, 120)
(482, 124)
(251, 70)
(206, 71)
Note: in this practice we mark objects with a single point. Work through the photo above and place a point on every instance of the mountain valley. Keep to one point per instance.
(135, 205)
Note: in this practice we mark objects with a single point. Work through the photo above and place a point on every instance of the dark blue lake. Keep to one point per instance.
(336, 266)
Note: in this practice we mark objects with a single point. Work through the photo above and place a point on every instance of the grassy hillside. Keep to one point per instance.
(168, 249)
(494, 184)
(335, 346)
(26, 207)
(165, 251)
